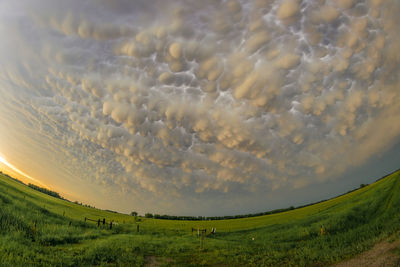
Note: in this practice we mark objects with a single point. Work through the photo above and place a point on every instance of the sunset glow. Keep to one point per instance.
(5, 162)
(186, 132)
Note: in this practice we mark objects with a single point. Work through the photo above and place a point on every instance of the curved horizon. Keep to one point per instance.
(200, 107)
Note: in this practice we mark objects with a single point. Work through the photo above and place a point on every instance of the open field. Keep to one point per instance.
(37, 229)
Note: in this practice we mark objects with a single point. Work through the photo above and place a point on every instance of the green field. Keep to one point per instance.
(37, 229)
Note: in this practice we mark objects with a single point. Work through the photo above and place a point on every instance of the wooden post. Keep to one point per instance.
(203, 234)
(98, 223)
(322, 230)
(110, 225)
(104, 221)
(137, 228)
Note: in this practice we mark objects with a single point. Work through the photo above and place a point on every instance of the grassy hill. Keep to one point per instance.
(37, 229)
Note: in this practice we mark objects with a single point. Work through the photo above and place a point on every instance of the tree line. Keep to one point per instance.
(203, 218)
(46, 191)
(8, 176)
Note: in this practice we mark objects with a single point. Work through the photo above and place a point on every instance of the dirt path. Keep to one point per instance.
(151, 261)
(383, 254)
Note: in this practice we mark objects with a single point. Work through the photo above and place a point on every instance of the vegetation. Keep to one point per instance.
(175, 217)
(45, 190)
(37, 229)
(214, 218)
(134, 213)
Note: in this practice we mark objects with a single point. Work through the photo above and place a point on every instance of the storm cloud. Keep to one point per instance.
(183, 102)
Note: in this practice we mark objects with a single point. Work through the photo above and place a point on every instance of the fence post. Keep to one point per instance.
(110, 225)
(203, 234)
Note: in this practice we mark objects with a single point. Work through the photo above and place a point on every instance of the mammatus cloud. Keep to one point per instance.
(192, 100)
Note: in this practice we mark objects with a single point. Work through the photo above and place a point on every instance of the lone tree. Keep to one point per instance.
(134, 213)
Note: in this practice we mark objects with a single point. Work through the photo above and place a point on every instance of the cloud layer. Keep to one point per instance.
(188, 101)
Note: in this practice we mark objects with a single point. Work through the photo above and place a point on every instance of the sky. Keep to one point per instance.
(200, 107)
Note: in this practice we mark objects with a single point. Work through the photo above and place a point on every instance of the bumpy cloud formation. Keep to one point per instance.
(198, 99)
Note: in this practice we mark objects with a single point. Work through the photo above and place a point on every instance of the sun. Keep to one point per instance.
(5, 162)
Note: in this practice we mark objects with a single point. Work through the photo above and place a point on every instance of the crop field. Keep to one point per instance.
(37, 229)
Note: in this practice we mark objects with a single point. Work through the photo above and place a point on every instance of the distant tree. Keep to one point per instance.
(134, 213)
(363, 185)
(148, 215)
(44, 190)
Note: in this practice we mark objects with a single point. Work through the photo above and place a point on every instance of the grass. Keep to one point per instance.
(37, 229)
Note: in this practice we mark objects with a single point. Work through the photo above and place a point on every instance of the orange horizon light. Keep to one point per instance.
(15, 169)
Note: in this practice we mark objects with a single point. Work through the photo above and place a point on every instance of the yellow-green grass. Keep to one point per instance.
(79, 212)
(37, 229)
